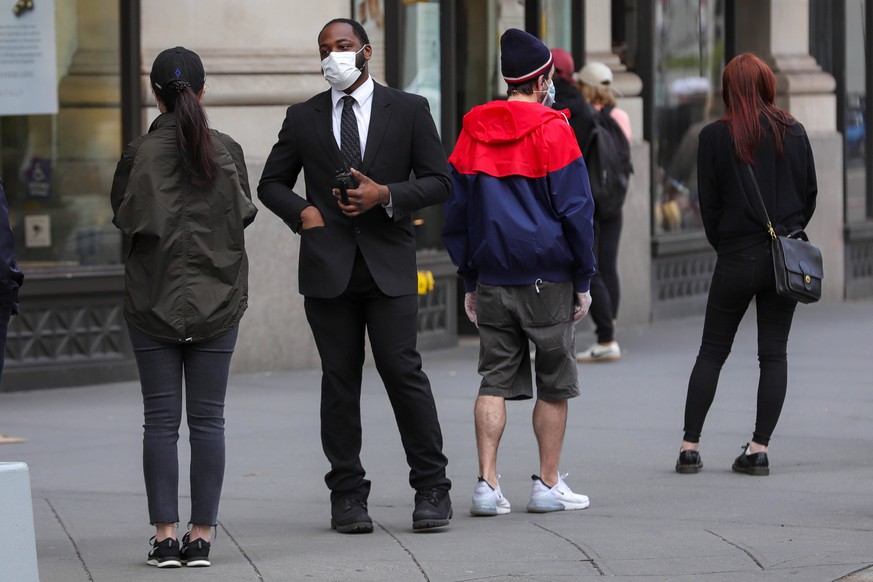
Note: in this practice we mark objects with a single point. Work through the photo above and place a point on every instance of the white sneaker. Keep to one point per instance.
(558, 498)
(598, 353)
(488, 501)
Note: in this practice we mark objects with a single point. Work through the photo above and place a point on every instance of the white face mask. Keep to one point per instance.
(549, 98)
(340, 69)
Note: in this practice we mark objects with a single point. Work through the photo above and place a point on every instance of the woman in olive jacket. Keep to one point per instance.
(181, 199)
(753, 132)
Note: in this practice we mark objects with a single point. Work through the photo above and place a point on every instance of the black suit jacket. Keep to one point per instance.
(402, 140)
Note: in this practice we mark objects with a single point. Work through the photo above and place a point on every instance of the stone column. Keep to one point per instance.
(778, 32)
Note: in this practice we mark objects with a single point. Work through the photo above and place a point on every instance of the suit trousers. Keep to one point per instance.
(338, 326)
(205, 367)
(737, 279)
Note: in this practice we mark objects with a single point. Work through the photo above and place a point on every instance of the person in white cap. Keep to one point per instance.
(595, 83)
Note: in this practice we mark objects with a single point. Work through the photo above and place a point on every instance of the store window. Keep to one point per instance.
(837, 41)
(479, 26)
(856, 112)
(57, 159)
(689, 57)
(557, 24)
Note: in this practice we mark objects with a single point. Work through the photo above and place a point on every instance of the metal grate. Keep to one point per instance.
(75, 333)
(859, 269)
(681, 284)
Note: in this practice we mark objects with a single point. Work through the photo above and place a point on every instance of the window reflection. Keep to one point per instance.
(58, 168)
(855, 116)
(689, 52)
(420, 74)
(556, 22)
(420, 63)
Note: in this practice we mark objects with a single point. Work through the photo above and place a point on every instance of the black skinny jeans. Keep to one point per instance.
(605, 291)
(737, 279)
(205, 367)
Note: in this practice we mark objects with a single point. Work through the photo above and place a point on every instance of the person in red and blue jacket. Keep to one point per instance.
(519, 228)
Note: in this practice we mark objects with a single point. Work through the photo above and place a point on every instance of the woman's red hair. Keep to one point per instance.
(748, 88)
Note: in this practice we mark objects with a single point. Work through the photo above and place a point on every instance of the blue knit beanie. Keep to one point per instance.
(523, 57)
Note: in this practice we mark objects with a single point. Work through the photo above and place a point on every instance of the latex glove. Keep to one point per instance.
(583, 302)
(470, 306)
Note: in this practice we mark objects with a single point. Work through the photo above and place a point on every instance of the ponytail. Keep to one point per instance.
(192, 133)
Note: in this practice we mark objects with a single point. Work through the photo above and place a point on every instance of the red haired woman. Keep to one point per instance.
(753, 132)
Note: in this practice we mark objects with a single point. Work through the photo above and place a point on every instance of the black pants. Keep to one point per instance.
(737, 279)
(338, 326)
(605, 291)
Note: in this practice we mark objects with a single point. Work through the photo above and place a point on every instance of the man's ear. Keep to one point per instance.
(368, 51)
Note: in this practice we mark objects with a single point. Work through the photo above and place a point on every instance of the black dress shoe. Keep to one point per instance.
(433, 508)
(349, 515)
(755, 464)
(689, 462)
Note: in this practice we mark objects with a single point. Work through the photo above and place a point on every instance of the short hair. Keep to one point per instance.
(356, 28)
(526, 88)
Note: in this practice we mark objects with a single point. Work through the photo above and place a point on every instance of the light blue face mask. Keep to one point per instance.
(549, 99)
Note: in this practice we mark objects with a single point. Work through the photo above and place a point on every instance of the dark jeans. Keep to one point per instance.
(205, 367)
(605, 291)
(338, 326)
(737, 279)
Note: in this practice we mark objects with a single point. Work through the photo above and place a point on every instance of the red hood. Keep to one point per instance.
(506, 138)
(506, 121)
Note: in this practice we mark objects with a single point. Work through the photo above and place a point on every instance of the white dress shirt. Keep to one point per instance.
(362, 107)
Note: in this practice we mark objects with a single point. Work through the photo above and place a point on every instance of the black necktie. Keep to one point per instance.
(350, 141)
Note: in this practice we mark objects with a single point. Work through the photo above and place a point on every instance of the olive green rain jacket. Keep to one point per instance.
(186, 273)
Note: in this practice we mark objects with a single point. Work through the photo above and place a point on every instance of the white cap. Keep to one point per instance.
(595, 75)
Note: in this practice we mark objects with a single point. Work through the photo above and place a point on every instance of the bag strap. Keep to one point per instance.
(760, 198)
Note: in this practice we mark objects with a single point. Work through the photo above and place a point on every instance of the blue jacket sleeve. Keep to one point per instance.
(571, 198)
(11, 277)
(455, 228)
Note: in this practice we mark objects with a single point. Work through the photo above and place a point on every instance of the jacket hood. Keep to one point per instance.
(508, 121)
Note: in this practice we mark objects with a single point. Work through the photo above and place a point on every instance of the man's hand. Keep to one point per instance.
(310, 217)
(583, 302)
(470, 307)
(361, 199)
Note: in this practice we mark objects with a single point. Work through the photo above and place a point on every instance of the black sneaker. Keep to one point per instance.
(689, 462)
(164, 553)
(755, 464)
(195, 554)
(433, 508)
(349, 515)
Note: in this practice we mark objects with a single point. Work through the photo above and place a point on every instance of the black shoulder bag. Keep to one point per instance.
(796, 261)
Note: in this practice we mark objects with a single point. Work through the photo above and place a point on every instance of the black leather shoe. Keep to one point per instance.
(689, 462)
(755, 464)
(433, 508)
(349, 515)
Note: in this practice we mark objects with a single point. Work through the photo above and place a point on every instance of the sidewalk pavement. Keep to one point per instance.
(810, 520)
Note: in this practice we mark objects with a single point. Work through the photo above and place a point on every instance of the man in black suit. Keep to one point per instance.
(357, 267)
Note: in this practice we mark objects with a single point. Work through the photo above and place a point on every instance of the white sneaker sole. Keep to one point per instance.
(488, 510)
(199, 563)
(605, 358)
(548, 506)
(165, 563)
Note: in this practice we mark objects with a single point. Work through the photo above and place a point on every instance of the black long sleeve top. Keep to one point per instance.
(788, 187)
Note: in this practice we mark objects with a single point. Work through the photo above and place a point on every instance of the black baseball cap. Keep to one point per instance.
(178, 64)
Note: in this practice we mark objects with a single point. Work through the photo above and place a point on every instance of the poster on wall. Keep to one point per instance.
(28, 72)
